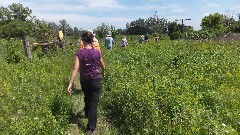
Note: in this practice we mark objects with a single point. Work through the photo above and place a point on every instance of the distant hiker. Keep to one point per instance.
(60, 38)
(60, 35)
(156, 38)
(141, 40)
(87, 61)
(109, 41)
(95, 44)
(124, 42)
(146, 38)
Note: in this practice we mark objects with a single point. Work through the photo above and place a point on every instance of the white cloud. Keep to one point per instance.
(65, 5)
(212, 5)
(6, 3)
(85, 22)
(75, 18)
(176, 9)
(112, 4)
(79, 15)
(203, 1)
(236, 7)
(206, 14)
(58, 8)
(179, 10)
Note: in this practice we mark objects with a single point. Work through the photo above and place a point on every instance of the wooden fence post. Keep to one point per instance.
(26, 47)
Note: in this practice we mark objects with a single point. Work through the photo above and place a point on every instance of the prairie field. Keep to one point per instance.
(165, 87)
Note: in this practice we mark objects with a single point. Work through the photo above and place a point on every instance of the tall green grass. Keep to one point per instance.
(33, 92)
(168, 87)
(174, 87)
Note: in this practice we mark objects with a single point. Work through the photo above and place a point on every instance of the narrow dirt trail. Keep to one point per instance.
(78, 121)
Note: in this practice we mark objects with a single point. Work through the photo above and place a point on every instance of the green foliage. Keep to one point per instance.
(167, 87)
(121, 31)
(150, 25)
(15, 20)
(114, 33)
(136, 27)
(33, 94)
(64, 26)
(174, 30)
(198, 35)
(174, 87)
(76, 33)
(14, 28)
(42, 31)
(102, 30)
(214, 23)
(12, 50)
(235, 27)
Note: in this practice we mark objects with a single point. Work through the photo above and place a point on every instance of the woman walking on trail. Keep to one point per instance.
(109, 41)
(124, 42)
(87, 60)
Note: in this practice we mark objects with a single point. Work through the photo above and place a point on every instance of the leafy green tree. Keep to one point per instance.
(54, 28)
(174, 30)
(76, 34)
(136, 27)
(121, 31)
(64, 26)
(150, 25)
(113, 31)
(156, 25)
(16, 21)
(214, 23)
(234, 25)
(43, 31)
(102, 30)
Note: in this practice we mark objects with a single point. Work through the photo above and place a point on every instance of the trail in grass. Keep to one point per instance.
(78, 121)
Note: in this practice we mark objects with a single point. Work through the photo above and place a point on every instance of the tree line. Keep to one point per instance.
(211, 24)
(18, 21)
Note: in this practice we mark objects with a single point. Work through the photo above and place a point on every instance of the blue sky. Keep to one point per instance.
(88, 14)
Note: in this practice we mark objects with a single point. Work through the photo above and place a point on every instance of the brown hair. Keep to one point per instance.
(88, 38)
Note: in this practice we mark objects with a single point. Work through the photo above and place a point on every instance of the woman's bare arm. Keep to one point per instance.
(74, 72)
(102, 65)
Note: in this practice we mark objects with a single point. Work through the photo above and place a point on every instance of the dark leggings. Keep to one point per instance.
(91, 89)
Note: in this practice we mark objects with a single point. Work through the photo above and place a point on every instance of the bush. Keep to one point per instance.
(12, 50)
